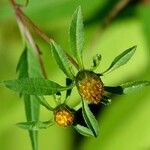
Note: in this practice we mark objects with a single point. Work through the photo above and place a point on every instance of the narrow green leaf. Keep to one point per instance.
(61, 59)
(133, 86)
(90, 119)
(68, 83)
(83, 130)
(127, 87)
(77, 35)
(35, 125)
(96, 61)
(34, 86)
(121, 59)
(44, 103)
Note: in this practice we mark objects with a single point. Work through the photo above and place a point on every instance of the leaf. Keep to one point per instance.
(28, 66)
(96, 61)
(44, 103)
(134, 86)
(77, 35)
(83, 130)
(127, 87)
(61, 59)
(34, 86)
(35, 125)
(90, 119)
(121, 59)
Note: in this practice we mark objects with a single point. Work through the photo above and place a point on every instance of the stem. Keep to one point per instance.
(28, 23)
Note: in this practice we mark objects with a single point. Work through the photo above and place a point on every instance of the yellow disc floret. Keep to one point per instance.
(63, 116)
(90, 86)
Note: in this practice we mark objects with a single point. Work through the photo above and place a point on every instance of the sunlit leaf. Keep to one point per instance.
(34, 86)
(77, 35)
(121, 59)
(83, 130)
(61, 59)
(90, 119)
(35, 125)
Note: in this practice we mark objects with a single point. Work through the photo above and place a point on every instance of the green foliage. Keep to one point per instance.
(77, 36)
(62, 60)
(121, 59)
(90, 119)
(96, 61)
(35, 125)
(34, 86)
(83, 130)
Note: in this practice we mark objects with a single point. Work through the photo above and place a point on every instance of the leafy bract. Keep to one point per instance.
(127, 87)
(35, 125)
(61, 59)
(133, 86)
(77, 35)
(83, 130)
(34, 86)
(121, 59)
(90, 119)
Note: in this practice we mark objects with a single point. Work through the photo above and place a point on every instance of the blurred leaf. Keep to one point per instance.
(34, 86)
(77, 35)
(106, 101)
(121, 59)
(128, 87)
(133, 86)
(33, 125)
(83, 130)
(90, 119)
(61, 59)
(44, 103)
(96, 61)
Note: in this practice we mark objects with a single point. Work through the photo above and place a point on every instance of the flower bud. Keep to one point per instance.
(90, 86)
(64, 116)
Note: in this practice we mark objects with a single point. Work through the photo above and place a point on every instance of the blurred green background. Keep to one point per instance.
(125, 124)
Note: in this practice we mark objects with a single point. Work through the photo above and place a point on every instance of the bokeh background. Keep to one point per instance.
(125, 124)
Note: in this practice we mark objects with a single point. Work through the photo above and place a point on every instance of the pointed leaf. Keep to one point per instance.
(134, 86)
(83, 130)
(34, 86)
(35, 125)
(121, 59)
(28, 66)
(61, 59)
(90, 119)
(127, 87)
(77, 35)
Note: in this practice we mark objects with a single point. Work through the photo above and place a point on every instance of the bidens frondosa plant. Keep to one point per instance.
(89, 84)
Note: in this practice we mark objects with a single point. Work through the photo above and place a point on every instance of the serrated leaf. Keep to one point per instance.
(34, 86)
(96, 61)
(133, 86)
(121, 59)
(61, 59)
(90, 119)
(28, 66)
(83, 130)
(77, 35)
(44, 103)
(35, 125)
